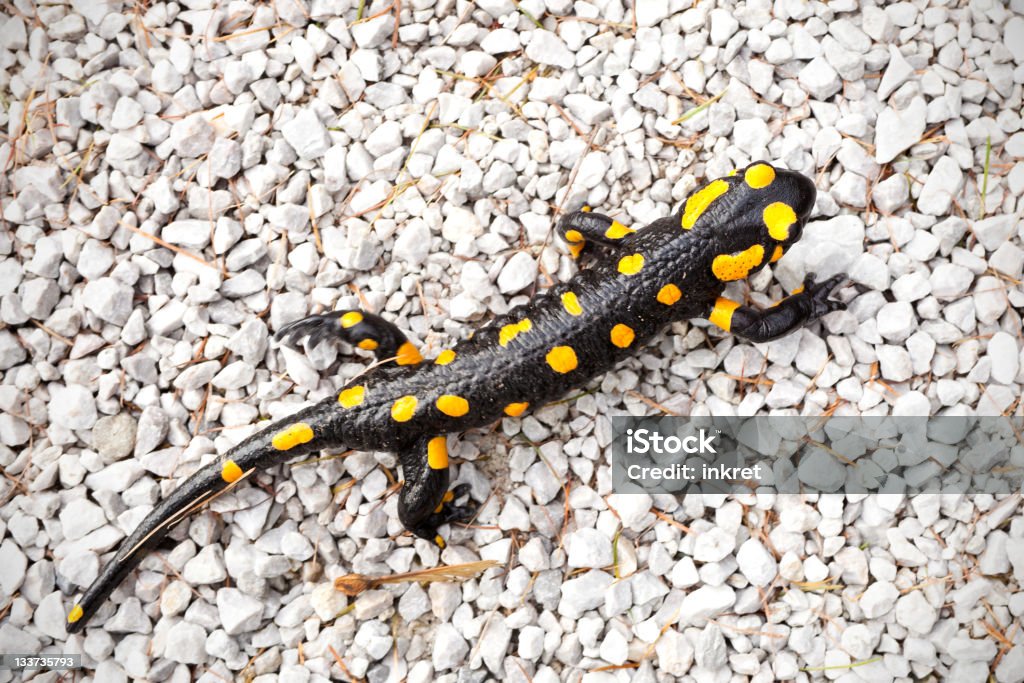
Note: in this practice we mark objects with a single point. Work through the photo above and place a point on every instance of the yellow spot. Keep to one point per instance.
(367, 345)
(622, 335)
(446, 498)
(572, 304)
(403, 408)
(231, 472)
(778, 217)
(721, 314)
(669, 294)
(351, 397)
(439, 541)
(617, 231)
(728, 267)
(585, 209)
(408, 355)
(576, 249)
(573, 236)
(777, 254)
(731, 173)
(562, 359)
(632, 264)
(437, 453)
(351, 319)
(699, 201)
(759, 176)
(453, 406)
(798, 290)
(516, 409)
(292, 436)
(513, 330)
(445, 357)
(75, 614)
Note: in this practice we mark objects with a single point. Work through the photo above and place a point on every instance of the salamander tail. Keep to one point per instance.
(295, 435)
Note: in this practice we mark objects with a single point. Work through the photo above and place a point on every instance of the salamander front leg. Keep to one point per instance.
(425, 502)
(361, 329)
(808, 303)
(580, 227)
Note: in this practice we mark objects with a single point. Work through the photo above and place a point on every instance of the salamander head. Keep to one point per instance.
(749, 218)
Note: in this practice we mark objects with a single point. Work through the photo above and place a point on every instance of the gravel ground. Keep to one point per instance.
(183, 178)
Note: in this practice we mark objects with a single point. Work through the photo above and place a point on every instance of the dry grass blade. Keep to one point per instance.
(166, 245)
(698, 109)
(828, 584)
(984, 184)
(833, 452)
(836, 667)
(341, 663)
(354, 584)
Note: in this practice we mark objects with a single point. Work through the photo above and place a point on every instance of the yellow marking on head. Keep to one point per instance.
(573, 236)
(351, 397)
(513, 330)
(452, 406)
(622, 335)
(231, 472)
(727, 267)
(562, 359)
(292, 435)
(571, 304)
(75, 614)
(439, 541)
(403, 409)
(777, 254)
(699, 201)
(351, 319)
(585, 209)
(576, 249)
(759, 176)
(368, 345)
(437, 453)
(408, 355)
(632, 264)
(445, 357)
(778, 217)
(617, 231)
(721, 314)
(516, 409)
(669, 294)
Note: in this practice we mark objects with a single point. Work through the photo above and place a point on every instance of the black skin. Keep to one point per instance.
(490, 376)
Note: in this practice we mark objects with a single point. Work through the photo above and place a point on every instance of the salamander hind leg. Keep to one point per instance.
(360, 329)
(579, 227)
(806, 304)
(425, 502)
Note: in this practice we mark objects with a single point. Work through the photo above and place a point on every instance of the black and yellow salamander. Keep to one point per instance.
(674, 269)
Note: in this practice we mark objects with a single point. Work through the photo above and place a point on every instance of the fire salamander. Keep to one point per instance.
(674, 269)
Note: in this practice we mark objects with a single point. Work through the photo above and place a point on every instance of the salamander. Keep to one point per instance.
(674, 269)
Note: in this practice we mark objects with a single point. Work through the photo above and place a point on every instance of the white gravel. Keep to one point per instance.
(183, 178)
